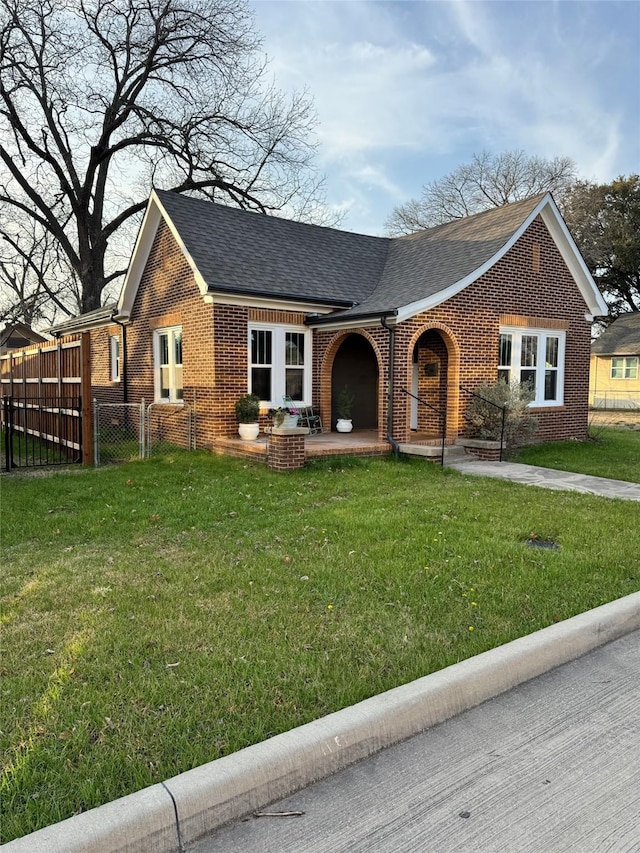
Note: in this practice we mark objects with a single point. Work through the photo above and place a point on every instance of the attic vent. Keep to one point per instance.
(535, 257)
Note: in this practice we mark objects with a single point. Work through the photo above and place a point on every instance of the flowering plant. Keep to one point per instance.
(279, 412)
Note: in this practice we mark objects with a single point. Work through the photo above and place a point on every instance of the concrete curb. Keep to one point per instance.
(238, 784)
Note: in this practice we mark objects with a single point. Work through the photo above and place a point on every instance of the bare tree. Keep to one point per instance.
(33, 286)
(101, 99)
(489, 180)
(37, 285)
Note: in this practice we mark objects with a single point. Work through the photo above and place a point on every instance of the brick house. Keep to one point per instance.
(615, 365)
(218, 301)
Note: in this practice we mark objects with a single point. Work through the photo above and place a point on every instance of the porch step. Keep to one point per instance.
(430, 450)
(452, 452)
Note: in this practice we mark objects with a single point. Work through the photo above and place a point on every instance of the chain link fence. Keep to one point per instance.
(118, 432)
(126, 431)
(169, 428)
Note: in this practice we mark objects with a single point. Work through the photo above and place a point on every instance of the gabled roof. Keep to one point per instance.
(342, 277)
(235, 251)
(425, 268)
(622, 337)
(17, 335)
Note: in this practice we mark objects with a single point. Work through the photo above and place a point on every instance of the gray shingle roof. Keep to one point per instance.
(238, 251)
(242, 252)
(425, 263)
(622, 337)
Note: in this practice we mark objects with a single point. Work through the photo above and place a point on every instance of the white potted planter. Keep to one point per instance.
(247, 413)
(344, 404)
(248, 432)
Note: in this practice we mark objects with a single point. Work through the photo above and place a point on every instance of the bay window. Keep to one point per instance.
(279, 363)
(534, 357)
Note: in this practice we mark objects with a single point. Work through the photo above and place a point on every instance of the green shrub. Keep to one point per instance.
(484, 420)
(248, 409)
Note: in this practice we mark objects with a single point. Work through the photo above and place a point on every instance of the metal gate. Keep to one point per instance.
(118, 432)
(126, 431)
(39, 432)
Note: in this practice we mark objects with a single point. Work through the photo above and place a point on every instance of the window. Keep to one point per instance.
(114, 358)
(167, 359)
(624, 368)
(534, 357)
(279, 363)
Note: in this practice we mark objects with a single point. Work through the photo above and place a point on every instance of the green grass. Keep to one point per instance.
(161, 614)
(611, 453)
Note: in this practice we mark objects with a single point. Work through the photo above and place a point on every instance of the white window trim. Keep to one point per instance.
(518, 332)
(172, 399)
(278, 361)
(114, 358)
(628, 361)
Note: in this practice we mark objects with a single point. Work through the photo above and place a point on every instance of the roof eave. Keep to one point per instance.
(227, 291)
(552, 218)
(336, 321)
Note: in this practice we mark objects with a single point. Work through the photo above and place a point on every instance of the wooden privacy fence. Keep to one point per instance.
(41, 382)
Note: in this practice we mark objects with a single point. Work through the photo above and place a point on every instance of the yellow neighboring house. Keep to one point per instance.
(614, 378)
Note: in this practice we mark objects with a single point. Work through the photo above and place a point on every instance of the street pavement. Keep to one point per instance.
(552, 766)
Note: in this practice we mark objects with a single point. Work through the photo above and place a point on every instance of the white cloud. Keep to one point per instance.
(404, 88)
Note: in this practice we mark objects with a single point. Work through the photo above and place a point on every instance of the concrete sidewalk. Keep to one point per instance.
(553, 765)
(165, 817)
(549, 478)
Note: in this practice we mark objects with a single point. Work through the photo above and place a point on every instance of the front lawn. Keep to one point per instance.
(613, 453)
(164, 613)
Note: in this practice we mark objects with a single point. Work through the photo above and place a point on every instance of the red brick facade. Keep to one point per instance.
(529, 287)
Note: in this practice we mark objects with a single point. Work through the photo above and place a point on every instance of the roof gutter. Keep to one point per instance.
(392, 346)
(351, 320)
(212, 290)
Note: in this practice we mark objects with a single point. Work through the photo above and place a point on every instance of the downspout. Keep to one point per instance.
(392, 341)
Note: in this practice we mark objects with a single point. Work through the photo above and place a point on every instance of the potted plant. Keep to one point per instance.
(248, 413)
(284, 416)
(344, 404)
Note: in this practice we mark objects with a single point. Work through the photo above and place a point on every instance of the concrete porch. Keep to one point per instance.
(363, 442)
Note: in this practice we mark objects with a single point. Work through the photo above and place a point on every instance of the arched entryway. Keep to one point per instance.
(356, 366)
(434, 379)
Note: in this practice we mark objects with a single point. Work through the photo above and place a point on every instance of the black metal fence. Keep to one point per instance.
(40, 432)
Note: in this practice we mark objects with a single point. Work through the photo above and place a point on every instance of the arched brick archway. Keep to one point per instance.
(353, 358)
(433, 373)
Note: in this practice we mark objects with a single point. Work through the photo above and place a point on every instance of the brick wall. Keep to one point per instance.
(530, 285)
(104, 389)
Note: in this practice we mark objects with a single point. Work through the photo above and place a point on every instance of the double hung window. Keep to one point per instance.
(167, 357)
(624, 368)
(279, 363)
(114, 358)
(534, 357)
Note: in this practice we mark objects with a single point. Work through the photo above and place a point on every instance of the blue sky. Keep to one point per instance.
(407, 91)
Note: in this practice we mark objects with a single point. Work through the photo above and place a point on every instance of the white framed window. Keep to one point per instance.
(114, 358)
(167, 363)
(279, 363)
(534, 357)
(624, 367)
